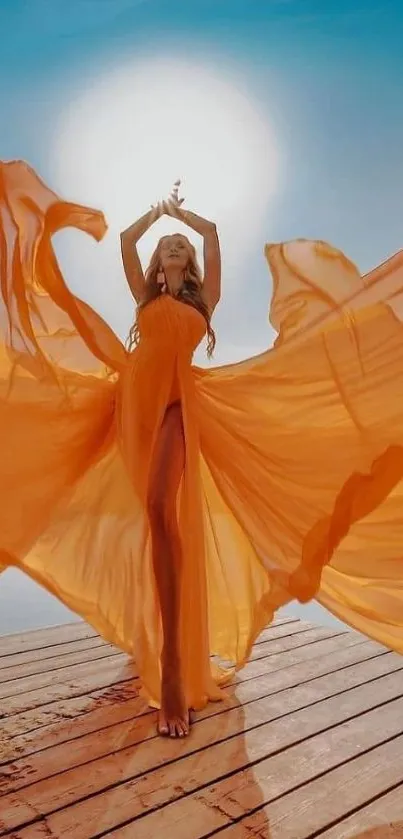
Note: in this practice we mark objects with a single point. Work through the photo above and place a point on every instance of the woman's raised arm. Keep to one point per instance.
(131, 260)
(212, 255)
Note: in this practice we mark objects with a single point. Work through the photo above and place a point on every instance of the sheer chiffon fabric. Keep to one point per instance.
(293, 479)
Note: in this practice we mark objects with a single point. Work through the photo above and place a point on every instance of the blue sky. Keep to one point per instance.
(333, 72)
(328, 75)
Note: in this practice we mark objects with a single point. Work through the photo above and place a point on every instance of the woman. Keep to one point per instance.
(177, 508)
(173, 273)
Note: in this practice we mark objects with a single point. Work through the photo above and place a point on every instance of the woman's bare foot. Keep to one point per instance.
(173, 718)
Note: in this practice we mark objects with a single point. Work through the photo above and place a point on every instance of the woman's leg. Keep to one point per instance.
(166, 471)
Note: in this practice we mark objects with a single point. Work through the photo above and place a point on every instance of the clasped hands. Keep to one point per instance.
(170, 206)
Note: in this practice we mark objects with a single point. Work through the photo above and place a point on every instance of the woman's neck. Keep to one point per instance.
(174, 280)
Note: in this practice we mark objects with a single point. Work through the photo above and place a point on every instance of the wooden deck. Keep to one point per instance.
(309, 743)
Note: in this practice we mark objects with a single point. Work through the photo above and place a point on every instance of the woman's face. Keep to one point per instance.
(174, 252)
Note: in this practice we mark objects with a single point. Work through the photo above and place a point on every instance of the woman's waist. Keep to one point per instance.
(161, 352)
(151, 377)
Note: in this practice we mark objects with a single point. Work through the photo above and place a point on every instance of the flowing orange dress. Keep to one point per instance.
(293, 481)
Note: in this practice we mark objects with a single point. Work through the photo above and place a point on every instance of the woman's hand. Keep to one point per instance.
(170, 205)
(174, 196)
(173, 207)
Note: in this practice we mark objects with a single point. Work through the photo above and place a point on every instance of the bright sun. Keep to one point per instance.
(123, 139)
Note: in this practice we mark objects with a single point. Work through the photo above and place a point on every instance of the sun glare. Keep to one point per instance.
(123, 138)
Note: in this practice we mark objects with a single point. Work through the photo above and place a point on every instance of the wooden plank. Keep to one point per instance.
(39, 655)
(80, 716)
(26, 677)
(328, 646)
(266, 706)
(309, 809)
(284, 622)
(49, 665)
(32, 724)
(81, 679)
(290, 628)
(45, 653)
(30, 684)
(382, 819)
(117, 679)
(36, 681)
(130, 791)
(38, 638)
(220, 804)
(292, 642)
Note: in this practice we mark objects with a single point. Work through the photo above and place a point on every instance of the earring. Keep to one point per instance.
(161, 280)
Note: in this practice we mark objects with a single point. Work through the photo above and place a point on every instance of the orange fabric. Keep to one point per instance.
(293, 482)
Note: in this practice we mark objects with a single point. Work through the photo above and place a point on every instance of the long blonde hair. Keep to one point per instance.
(190, 293)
